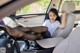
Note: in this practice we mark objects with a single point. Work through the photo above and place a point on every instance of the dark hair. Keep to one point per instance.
(56, 13)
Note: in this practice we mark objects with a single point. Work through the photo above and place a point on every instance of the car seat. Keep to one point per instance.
(68, 7)
(71, 44)
(60, 34)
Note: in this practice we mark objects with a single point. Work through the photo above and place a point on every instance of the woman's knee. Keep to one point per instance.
(45, 29)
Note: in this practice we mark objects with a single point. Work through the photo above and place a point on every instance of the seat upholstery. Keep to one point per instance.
(71, 44)
(50, 42)
(68, 7)
(69, 26)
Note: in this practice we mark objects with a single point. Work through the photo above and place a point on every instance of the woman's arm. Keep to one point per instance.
(63, 20)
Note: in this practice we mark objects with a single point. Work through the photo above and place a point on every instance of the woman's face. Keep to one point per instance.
(52, 16)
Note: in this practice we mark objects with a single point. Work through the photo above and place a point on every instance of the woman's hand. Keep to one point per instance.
(63, 20)
(63, 13)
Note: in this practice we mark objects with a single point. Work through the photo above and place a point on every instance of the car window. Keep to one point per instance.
(37, 7)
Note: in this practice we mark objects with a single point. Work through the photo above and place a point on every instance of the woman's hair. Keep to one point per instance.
(56, 13)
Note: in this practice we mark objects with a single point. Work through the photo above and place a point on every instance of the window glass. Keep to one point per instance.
(37, 7)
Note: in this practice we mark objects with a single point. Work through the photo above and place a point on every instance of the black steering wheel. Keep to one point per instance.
(6, 35)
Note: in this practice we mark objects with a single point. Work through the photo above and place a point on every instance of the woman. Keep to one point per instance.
(54, 21)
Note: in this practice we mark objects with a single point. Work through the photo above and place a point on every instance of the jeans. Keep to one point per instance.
(46, 35)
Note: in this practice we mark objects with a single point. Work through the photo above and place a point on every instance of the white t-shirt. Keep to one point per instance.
(51, 26)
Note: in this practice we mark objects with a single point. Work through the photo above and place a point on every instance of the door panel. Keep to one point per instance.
(31, 22)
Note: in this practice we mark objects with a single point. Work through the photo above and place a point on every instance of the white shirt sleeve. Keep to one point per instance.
(45, 23)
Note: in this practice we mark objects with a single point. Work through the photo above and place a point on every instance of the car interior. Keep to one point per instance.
(63, 40)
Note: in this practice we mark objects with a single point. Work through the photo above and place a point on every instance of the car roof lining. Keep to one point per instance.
(12, 7)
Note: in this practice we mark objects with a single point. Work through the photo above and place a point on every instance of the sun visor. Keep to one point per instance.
(8, 7)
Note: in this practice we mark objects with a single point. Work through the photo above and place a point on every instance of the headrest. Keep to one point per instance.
(68, 6)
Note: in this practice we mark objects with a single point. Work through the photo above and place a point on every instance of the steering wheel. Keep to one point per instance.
(6, 35)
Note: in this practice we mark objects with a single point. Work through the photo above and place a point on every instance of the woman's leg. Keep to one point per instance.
(31, 37)
(39, 29)
(46, 35)
(26, 29)
(17, 33)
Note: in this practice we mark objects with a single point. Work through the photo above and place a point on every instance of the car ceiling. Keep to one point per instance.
(12, 7)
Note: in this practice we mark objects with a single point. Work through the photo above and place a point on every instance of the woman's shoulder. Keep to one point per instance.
(57, 22)
(47, 20)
